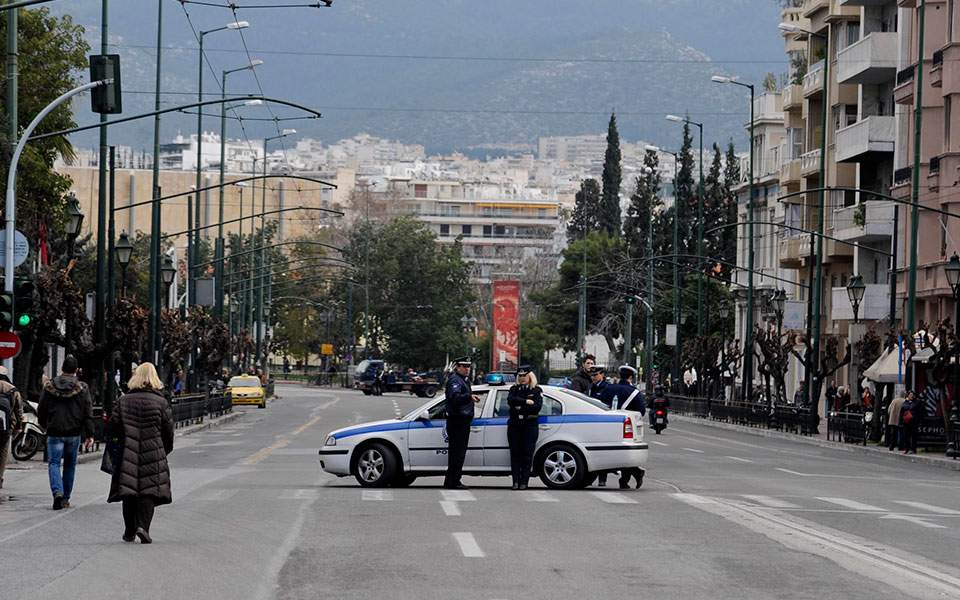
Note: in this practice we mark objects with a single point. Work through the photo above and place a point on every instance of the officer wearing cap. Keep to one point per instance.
(459, 400)
(525, 400)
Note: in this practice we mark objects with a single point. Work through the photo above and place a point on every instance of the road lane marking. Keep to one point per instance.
(658, 443)
(915, 520)
(798, 474)
(614, 498)
(538, 496)
(450, 508)
(770, 502)
(738, 459)
(912, 574)
(260, 455)
(217, 495)
(693, 450)
(929, 507)
(853, 504)
(377, 495)
(458, 495)
(307, 425)
(468, 545)
(300, 494)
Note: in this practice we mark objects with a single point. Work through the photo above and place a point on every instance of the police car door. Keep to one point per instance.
(427, 440)
(496, 448)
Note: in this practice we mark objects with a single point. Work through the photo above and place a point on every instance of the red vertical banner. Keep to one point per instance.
(506, 325)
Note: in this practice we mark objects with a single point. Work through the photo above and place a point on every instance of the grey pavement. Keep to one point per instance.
(722, 514)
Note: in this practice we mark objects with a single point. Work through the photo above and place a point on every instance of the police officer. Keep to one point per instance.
(621, 396)
(525, 400)
(459, 400)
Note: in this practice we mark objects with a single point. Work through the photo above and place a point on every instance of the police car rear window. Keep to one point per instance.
(587, 399)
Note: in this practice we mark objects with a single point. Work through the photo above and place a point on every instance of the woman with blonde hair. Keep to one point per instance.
(142, 423)
(525, 400)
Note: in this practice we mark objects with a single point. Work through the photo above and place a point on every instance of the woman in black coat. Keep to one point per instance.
(525, 400)
(142, 423)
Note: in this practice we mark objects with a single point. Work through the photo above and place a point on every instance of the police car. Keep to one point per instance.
(579, 439)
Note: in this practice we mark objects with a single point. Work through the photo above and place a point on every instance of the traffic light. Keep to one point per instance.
(6, 312)
(630, 300)
(22, 302)
(106, 99)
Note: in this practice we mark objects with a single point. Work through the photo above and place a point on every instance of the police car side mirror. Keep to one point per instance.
(424, 416)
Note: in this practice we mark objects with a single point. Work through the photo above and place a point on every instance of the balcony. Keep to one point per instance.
(870, 61)
(936, 69)
(866, 137)
(810, 163)
(840, 10)
(792, 97)
(864, 2)
(810, 7)
(790, 172)
(876, 216)
(768, 107)
(874, 306)
(813, 80)
(903, 93)
(793, 251)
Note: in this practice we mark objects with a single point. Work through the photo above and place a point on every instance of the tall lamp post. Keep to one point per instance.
(167, 272)
(748, 337)
(124, 251)
(855, 290)
(74, 219)
(952, 271)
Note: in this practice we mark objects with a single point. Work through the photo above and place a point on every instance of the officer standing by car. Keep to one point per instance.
(525, 400)
(459, 402)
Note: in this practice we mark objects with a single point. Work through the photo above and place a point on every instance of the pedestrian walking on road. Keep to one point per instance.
(142, 423)
(910, 416)
(893, 422)
(525, 400)
(459, 403)
(11, 418)
(65, 412)
(582, 380)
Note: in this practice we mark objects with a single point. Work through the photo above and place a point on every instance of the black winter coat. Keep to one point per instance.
(581, 382)
(143, 422)
(65, 409)
(517, 399)
(459, 398)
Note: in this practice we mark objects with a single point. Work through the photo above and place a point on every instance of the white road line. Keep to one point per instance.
(770, 502)
(300, 494)
(217, 495)
(915, 520)
(738, 459)
(852, 504)
(658, 443)
(693, 450)
(795, 473)
(451, 509)
(468, 545)
(538, 496)
(377, 495)
(929, 507)
(458, 495)
(614, 498)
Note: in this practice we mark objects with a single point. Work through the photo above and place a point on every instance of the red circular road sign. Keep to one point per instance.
(9, 344)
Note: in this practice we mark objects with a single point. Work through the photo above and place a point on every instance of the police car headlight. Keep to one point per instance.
(331, 441)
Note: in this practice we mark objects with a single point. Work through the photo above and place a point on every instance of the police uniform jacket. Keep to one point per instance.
(520, 411)
(621, 397)
(459, 398)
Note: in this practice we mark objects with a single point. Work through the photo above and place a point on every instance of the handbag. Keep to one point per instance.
(111, 456)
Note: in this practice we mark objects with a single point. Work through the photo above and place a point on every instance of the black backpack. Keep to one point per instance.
(6, 411)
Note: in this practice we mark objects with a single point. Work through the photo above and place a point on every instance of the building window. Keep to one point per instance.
(542, 212)
(420, 190)
(487, 231)
(444, 230)
(466, 229)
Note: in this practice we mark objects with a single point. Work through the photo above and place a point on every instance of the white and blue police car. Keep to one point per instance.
(579, 439)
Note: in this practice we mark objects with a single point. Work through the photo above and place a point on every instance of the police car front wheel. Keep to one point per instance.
(562, 468)
(375, 466)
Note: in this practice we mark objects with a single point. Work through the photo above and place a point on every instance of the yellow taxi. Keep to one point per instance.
(246, 389)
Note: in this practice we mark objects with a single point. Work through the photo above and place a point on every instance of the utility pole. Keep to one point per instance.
(13, 130)
(582, 311)
(155, 224)
(629, 302)
(100, 329)
(915, 191)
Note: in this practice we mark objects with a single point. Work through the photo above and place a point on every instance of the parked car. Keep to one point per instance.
(246, 389)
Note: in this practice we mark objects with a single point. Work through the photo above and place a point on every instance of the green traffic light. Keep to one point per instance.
(23, 320)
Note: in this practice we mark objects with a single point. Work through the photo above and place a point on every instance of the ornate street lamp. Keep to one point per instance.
(74, 217)
(953, 278)
(856, 289)
(124, 251)
(167, 273)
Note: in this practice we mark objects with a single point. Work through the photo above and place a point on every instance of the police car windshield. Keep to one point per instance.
(587, 399)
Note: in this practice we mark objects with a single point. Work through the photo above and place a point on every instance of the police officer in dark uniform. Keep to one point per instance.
(525, 400)
(459, 400)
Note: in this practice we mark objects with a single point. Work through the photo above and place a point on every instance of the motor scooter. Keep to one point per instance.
(659, 419)
(32, 438)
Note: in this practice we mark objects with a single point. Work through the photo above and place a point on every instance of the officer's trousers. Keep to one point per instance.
(458, 437)
(522, 438)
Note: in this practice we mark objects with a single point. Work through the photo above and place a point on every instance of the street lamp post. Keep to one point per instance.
(952, 271)
(124, 251)
(855, 290)
(748, 337)
(167, 272)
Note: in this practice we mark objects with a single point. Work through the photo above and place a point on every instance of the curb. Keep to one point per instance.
(183, 431)
(942, 463)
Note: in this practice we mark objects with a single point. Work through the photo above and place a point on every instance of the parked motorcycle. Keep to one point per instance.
(32, 438)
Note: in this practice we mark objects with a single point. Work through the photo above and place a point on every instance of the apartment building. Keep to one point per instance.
(939, 237)
(500, 225)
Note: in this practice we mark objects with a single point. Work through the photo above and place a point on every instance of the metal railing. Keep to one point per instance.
(190, 409)
(781, 417)
(905, 75)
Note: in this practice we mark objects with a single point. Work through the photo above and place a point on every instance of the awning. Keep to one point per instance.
(886, 368)
(924, 355)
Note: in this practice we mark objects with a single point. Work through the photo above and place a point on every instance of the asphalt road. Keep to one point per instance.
(721, 515)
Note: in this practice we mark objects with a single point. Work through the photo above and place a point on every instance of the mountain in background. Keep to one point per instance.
(454, 74)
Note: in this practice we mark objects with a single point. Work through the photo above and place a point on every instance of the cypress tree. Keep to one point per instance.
(714, 207)
(645, 204)
(586, 211)
(685, 196)
(731, 178)
(612, 178)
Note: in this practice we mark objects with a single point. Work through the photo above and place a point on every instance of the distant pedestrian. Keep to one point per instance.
(910, 416)
(832, 396)
(143, 424)
(460, 400)
(582, 380)
(65, 412)
(525, 400)
(893, 422)
(11, 418)
(867, 399)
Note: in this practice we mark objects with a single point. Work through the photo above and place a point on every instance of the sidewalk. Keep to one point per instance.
(935, 460)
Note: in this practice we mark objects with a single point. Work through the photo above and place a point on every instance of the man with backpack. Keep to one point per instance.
(11, 418)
